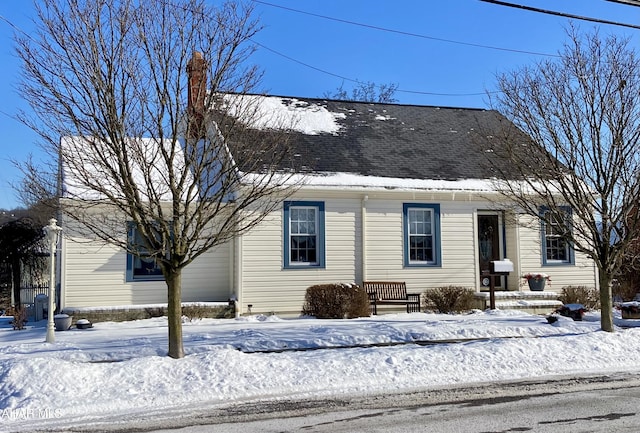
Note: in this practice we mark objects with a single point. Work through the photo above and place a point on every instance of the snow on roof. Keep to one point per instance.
(269, 112)
(86, 162)
(355, 181)
(385, 117)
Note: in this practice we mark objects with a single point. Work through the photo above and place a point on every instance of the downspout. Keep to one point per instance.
(476, 251)
(363, 235)
(502, 221)
(518, 263)
(237, 257)
(61, 262)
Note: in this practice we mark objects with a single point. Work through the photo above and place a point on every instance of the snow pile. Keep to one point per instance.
(271, 112)
(119, 370)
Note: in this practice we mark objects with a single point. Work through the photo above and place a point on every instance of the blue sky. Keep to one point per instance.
(446, 62)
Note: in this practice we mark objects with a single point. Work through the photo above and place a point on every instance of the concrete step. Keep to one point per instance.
(530, 302)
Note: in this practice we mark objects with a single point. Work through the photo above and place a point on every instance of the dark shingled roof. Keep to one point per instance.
(412, 142)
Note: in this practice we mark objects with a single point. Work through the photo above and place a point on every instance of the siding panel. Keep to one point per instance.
(95, 275)
(270, 288)
(582, 273)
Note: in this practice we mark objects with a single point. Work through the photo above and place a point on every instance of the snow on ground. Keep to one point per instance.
(121, 369)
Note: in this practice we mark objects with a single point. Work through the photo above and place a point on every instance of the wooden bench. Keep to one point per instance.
(391, 293)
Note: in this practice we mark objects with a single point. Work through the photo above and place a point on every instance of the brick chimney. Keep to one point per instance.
(197, 73)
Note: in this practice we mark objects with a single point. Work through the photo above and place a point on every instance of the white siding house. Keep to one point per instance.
(392, 193)
(364, 241)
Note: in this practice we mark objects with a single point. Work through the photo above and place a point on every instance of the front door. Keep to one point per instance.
(489, 245)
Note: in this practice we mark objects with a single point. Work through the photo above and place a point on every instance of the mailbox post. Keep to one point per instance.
(497, 268)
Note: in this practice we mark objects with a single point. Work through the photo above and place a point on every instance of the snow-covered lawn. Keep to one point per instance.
(120, 369)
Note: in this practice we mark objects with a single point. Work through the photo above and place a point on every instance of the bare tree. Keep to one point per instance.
(583, 111)
(140, 145)
(366, 92)
(21, 248)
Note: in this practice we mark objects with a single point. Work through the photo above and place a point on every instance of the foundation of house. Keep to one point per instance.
(191, 310)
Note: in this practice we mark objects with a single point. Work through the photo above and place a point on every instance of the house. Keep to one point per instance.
(391, 192)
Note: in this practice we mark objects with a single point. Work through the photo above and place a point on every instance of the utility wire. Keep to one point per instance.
(352, 80)
(627, 2)
(401, 32)
(561, 14)
(342, 77)
(307, 65)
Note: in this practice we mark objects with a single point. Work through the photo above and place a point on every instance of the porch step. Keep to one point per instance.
(530, 302)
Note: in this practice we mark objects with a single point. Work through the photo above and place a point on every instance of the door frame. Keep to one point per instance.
(500, 282)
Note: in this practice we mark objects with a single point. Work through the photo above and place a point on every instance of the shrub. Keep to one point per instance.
(587, 296)
(19, 317)
(194, 311)
(624, 290)
(336, 301)
(155, 311)
(449, 299)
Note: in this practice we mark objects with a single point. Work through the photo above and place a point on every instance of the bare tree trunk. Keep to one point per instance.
(16, 280)
(109, 103)
(606, 302)
(174, 313)
(580, 117)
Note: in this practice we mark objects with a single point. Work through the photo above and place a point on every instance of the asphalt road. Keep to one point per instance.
(599, 403)
(583, 411)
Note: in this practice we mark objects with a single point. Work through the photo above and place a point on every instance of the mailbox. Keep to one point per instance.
(503, 266)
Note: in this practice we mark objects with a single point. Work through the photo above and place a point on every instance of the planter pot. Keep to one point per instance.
(62, 322)
(628, 314)
(536, 285)
(574, 311)
(84, 324)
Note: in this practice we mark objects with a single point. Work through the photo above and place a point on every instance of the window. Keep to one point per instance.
(421, 234)
(140, 268)
(303, 234)
(556, 249)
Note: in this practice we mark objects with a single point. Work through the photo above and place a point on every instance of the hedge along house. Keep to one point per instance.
(387, 192)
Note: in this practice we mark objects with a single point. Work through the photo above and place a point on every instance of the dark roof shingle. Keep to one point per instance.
(399, 141)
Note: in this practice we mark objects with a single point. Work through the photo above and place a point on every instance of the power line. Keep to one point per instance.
(627, 2)
(342, 77)
(352, 80)
(561, 14)
(307, 65)
(402, 32)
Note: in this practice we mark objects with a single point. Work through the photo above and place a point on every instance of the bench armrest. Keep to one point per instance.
(413, 297)
(413, 302)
